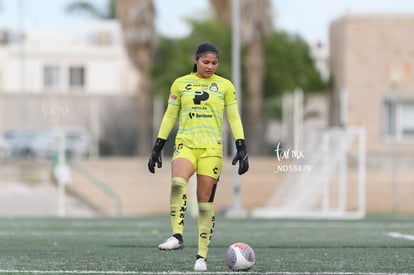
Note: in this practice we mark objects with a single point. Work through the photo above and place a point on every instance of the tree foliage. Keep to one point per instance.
(288, 64)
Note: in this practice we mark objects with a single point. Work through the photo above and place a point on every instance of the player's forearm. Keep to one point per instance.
(235, 123)
(168, 121)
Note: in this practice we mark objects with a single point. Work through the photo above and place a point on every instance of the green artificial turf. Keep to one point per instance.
(129, 246)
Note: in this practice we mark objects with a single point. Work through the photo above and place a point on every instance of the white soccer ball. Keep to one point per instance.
(240, 257)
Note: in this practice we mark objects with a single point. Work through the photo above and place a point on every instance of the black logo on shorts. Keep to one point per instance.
(178, 147)
(215, 170)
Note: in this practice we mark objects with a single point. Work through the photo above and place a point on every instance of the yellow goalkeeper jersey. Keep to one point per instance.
(199, 104)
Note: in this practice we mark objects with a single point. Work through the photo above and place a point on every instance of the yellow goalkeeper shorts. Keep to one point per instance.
(206, 161)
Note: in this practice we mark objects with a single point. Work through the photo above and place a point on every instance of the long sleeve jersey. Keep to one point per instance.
(199, 105)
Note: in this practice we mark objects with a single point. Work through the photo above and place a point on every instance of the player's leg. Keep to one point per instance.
(209, 169)
(182, 170)
(206, 187)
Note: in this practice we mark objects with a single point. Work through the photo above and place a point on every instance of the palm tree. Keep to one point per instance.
(256, 26)
(137, 19)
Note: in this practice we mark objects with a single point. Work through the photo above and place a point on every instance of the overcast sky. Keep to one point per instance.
(309, 18)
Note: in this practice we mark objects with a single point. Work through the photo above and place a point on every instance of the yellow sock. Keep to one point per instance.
(205, 227)
(178, 204)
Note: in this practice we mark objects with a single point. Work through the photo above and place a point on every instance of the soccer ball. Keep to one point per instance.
(240, 257)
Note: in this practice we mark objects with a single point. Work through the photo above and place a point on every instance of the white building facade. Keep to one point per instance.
(92, 61)
(83, 80)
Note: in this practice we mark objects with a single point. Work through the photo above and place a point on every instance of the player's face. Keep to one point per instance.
(206, 65)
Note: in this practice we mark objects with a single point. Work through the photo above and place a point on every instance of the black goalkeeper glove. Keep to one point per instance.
(155, 157)
(241, 156)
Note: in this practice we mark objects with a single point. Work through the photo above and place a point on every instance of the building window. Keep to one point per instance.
(51, 77)
(77, 77)
(399, 119)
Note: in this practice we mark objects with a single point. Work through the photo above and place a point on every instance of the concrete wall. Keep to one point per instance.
(372, 59)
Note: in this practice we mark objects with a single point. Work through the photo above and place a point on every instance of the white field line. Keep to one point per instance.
(398, 235)
(12, 271)
(75, 233)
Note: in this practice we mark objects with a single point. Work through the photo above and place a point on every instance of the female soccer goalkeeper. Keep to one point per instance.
(198, 100)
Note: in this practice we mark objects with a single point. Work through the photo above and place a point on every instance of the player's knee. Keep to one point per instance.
(178, 188)
(213, 193)
(178, 182)
(205, 206)
(207, 196)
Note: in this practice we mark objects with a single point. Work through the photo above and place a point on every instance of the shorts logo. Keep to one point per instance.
(177, 149)
(215, 170)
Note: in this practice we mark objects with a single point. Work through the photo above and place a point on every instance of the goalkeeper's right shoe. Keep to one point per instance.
(172, 243)
(200, 265)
